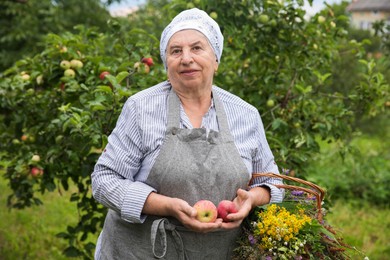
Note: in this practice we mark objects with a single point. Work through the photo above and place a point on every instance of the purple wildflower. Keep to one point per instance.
(297, 192)
(268, 257)
(286, 171)
(298, 257)
(252, 240)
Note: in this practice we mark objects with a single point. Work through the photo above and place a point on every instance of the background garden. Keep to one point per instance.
(67, 66)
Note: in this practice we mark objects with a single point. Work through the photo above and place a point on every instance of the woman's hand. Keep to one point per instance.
(159, 205)
(186, 214)
(245, 201)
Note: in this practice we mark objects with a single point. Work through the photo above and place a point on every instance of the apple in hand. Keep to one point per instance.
(225, 207)
(206, 211)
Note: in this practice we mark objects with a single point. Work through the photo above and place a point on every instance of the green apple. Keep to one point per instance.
(39, 80)
(63, 49)
(214, 15)
(270, 103)
(321, 19)
(65, 64)
(26, 77)
(263, 18)
(273, 23)
(35, 158)
(69, 73)
(76, 64)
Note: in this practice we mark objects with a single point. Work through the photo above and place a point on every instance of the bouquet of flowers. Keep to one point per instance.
(294, 229)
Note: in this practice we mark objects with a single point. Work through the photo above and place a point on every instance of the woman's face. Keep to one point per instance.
(191, 61)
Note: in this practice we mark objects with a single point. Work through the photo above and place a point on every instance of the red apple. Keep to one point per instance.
(142, 67)
(206, 211)
(36, 172)
(103, 75)
(148, 61)
(225, 207)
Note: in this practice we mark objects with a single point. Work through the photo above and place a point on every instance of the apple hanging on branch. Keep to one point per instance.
(36, 172)
(103, 75)
(76, 64)
(148, 61)
(206, 211)
(142, 67)
(64, 64)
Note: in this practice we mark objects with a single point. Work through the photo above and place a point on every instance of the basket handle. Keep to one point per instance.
(316, 190)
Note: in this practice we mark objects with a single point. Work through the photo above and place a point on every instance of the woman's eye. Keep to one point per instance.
(197, 48)
(175, 51)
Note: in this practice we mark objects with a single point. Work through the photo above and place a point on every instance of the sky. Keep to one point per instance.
(129, 4)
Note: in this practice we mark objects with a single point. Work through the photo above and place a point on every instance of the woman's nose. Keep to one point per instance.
(186, 57)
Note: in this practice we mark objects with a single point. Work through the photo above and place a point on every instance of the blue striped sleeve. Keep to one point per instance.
(113, 182)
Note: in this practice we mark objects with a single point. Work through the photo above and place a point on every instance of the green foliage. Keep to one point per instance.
(271, 53)
(66, 120)
(25, 23)
(363, 171)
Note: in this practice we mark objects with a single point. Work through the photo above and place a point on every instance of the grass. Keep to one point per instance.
(363, 226)
(30, 233)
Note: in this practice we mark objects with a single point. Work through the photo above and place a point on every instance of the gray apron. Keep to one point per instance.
(192, 165)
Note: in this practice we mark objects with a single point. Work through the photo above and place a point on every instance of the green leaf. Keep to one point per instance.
(121, 76)
(106, 89)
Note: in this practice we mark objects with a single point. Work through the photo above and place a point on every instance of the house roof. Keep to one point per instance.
(369, 5)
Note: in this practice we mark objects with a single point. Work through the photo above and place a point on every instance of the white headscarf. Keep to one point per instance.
(193, 19)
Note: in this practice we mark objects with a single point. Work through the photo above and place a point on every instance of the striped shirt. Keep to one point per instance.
(118, 180)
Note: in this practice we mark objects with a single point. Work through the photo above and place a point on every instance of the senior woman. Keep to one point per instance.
(176, 143)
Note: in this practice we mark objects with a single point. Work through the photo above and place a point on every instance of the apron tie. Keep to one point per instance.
(160, 226)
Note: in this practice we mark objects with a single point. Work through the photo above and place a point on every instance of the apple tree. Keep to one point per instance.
(59, 106)
(24, 23)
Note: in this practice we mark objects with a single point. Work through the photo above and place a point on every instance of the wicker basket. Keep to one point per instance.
(314, 189)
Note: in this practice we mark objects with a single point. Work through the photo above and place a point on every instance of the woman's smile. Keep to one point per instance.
(189, 72)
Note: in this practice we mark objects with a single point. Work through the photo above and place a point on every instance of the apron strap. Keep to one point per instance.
(173, 110)
(160, 226)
